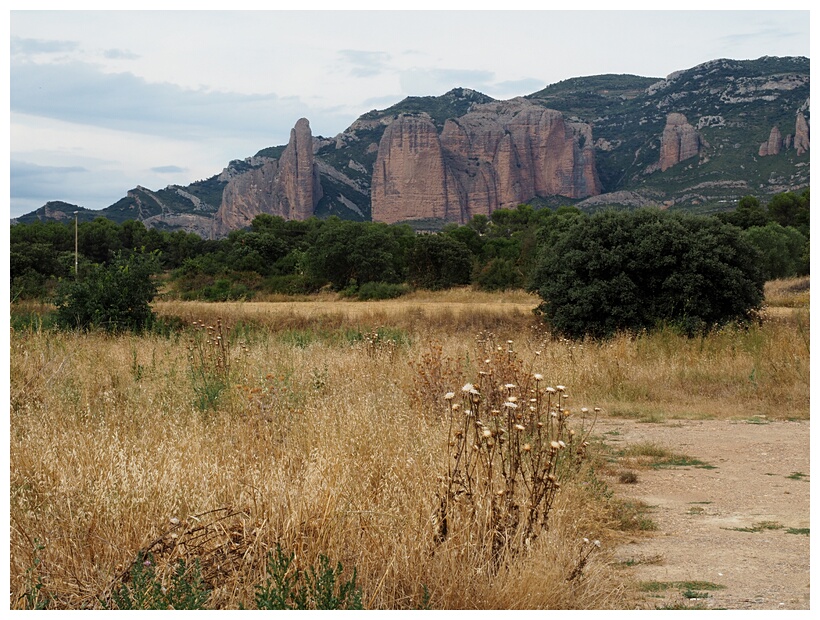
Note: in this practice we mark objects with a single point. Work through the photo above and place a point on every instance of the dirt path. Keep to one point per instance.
(761, 476)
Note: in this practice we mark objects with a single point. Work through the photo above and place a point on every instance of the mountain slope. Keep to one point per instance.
(698, 139)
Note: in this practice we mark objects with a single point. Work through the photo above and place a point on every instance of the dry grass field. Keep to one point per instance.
(321, 426)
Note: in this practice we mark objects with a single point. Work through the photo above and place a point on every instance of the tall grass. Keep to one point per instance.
(331, 446)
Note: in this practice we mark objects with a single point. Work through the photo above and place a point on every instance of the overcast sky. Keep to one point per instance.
(103, 101)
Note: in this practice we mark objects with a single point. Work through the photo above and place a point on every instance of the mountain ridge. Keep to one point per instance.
(698, 139)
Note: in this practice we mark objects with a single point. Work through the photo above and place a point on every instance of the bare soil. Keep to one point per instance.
(759, 483)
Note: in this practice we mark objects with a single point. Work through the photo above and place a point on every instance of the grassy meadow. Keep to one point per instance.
(321, 426)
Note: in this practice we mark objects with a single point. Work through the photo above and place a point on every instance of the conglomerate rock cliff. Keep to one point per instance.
(288, 187)
(701, 138)
(496, 156)
(679, 141)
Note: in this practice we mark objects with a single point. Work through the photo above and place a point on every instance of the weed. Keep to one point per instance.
(288, 587)
(633, 516)
(759, 527)
(33, 598)
(628, 477)
(797, 476)
(655, 456)
(682, 461)
(798, 530)
(209, 356)
(184, 590)
(652, 559)
(509, 448)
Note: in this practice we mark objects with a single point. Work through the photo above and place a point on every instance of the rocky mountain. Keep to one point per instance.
(698, 139)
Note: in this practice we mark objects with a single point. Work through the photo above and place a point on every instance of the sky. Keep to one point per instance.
(103, 101)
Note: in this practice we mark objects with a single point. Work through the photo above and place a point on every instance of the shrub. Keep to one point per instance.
(380, 290)
(783, 250)
(630, 271)
(184, 590)
(288, 587)
(439, 261)
(115, 297)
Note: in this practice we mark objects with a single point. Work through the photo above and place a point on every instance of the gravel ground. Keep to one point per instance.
(760, 481)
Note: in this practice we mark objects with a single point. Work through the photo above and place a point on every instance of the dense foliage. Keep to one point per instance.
(621, 270)
(627, 261)
(115, 297)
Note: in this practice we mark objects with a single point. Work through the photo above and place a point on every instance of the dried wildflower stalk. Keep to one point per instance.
(509, 448)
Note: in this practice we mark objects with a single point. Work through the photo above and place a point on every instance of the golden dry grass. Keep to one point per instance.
(322, 442)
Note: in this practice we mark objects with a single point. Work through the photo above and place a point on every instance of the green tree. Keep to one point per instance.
(115, 297)
(783, 250)
(749, 212)
(348, 252)
(630, 271)
(438, 261)
(790, 209)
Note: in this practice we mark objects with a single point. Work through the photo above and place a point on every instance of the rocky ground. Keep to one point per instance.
(743, 525)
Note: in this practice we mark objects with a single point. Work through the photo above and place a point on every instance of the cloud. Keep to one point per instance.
(32, 185)
(365, 64)
(168, 169)
(80, 93)
(117, 54)
(31, 47)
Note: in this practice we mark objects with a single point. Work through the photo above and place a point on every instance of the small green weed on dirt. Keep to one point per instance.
(759, 527)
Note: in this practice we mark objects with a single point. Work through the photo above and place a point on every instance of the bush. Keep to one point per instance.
(439, 261)
(380, 290)
(319, 588)
(632, 271)
(783, 250)
(115, 297)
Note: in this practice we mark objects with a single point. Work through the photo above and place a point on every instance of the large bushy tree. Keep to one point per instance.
(115, 297)
(631, 271)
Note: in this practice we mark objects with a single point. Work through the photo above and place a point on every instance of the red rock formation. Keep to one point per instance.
(245, 196)
(773, 145)
(288, 187)
(298, 181)
(679, 141)
(801, 134)
(496, 156)
(410, 178)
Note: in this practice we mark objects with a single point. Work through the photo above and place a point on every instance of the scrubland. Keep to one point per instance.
(321, 426)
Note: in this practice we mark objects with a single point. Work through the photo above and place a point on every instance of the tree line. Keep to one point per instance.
(596, 273)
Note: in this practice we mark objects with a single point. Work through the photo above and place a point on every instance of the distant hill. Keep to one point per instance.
(697, 140)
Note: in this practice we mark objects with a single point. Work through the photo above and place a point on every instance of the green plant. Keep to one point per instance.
(759, 527)
(114, 297)
(288, 587)
(633, 271)
(209, 357)
(798, 530)
(184, 588)
(797, 476)
(33, 598)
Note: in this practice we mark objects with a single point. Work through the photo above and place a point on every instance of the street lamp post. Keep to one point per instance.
(76, 272)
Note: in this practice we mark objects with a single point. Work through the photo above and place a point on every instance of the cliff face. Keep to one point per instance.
(496, 156)
(679, 141)
(411, 180)
(289, 187)
(447, 158)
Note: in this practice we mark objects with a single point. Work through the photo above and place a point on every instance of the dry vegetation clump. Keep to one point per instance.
(788, 293)
(327, 434)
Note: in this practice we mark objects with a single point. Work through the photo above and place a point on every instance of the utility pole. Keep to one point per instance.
(76, 272)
